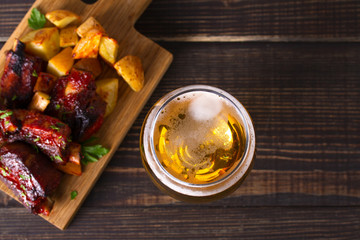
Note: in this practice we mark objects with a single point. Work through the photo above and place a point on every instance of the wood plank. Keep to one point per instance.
(122, 187)
(252, 20)
(224, 20)
(118, 19)
(191, 222)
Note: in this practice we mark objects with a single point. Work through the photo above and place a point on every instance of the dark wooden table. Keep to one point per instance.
(295, 65)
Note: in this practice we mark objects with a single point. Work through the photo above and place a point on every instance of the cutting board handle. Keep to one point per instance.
(136, 7)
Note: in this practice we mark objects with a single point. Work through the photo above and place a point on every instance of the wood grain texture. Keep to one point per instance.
(305, 102)
(249, 20)
(214, 223)
(117, 17)
(229, 20)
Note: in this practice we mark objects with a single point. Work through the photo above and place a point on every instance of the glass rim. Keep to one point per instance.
(167, 98)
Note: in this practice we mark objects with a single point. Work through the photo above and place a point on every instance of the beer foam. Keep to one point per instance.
(205, 107)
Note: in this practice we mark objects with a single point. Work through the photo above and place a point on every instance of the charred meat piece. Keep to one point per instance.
(19, 77)
(29, 175)
(49, 134)
(74, 100)
(45, 83)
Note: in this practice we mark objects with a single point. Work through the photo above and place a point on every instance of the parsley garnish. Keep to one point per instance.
(92, 153)
(6, 114)
(34, 73)
(37, 20)
(74, 194)
(13, 98)
(3, 172)
(37, 139)
(57, 106)
(23, 177)
(54, 127)
(57, 157)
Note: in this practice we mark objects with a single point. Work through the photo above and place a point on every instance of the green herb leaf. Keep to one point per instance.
(13, 98)
(74, 194)
(6, 114)
(92, 153)
(37, 20)
(57, 157)
(34, 73)
(37, 139)
(3, 172)
(23, 177)
(54, 127)
(57, 106)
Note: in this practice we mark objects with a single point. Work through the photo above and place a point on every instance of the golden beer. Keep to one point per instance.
(197, 138)
(197, 143)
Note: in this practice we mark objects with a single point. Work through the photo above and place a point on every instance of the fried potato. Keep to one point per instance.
(131, 69)
(108, 49)
(108, 89)
(73, 166)
(90, 25)
(61, 64)
(87, 47)
(68, 37)
(39, 101)
(89, 64)
(62, 18)
(43, 42)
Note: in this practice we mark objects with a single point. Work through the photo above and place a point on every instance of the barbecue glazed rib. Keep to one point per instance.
(29, 175)
(19, 77)
(74, 100)
(49, 134)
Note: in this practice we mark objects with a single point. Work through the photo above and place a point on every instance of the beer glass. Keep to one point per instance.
(197, 143)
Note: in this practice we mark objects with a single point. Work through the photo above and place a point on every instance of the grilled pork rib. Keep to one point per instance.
(19, 77)
(49, 134)
(29, 175)
(74, 101)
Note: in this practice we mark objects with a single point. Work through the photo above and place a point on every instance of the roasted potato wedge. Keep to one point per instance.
(108, 90)
(45, 83)
(68, 37)
(87, 47)
(108, 49)
(39, 101)
(90, 25)
(43, 42)
(89, 64)
(61, 64)
(131, 69)
(73, 166)
(62, 18)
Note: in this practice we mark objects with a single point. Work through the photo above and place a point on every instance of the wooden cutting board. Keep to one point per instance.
(118, 18)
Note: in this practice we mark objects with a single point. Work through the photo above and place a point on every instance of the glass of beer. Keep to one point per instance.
(197, 143)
